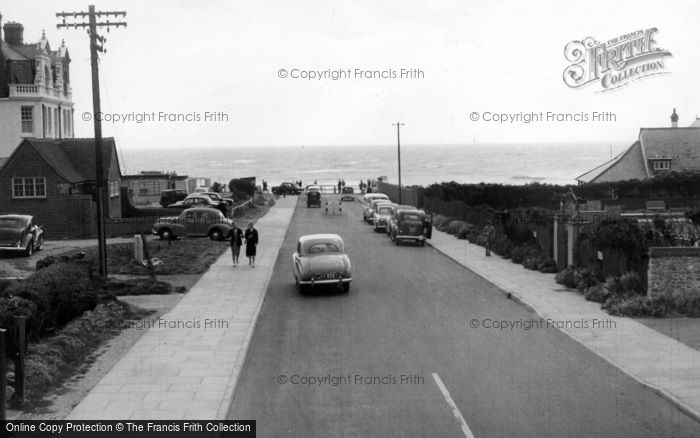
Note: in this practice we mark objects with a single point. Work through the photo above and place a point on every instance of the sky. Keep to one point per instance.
(188, 58)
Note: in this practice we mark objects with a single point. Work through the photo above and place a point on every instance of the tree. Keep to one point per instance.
(217, 187)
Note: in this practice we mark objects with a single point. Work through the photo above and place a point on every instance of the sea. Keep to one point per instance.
(549, 163)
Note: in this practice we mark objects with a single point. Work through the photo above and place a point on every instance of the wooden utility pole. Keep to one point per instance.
(398, 141)
(96, 45)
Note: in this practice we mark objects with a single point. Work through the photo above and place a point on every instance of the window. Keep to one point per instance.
(29, 187)
(27, 119)
(662, 165)
(49, 123)
(55, 121)
(113, 189)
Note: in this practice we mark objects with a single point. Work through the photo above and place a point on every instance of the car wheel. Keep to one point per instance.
(422, 243)
(346, 287)
(216, 234)
(30, 249)
(165, 234)
(396, 241)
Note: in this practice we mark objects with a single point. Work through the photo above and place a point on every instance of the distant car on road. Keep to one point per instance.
(348, 194)
(168, 197)
(198, 221)
(200, 200)
(313, 198)
(286, 188)
(320, 259)
(18, 232)
(412, 226)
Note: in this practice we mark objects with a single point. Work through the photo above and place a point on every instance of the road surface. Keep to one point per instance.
(400, 356)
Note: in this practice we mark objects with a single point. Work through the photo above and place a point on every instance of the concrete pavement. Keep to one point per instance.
(661, 363)
(187, 364)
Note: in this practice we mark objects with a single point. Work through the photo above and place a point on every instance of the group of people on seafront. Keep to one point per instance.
(250, 238)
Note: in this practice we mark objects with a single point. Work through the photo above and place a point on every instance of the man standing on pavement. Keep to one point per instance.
(489, 235)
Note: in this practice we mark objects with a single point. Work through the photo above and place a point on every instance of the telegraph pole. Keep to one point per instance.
(96, 45)
(398, 141)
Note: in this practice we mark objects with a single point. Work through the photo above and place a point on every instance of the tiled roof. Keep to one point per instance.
(74, 159)
(681, 145)
(10, 52)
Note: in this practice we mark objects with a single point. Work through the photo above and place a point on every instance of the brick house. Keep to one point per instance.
(656, 151)
(54, 181)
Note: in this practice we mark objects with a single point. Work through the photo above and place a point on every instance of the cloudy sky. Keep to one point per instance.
(186, 57)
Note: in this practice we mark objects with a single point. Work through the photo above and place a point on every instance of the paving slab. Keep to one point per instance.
(187, 364)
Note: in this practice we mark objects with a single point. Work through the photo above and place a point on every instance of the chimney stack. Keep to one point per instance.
(14, 33)
(674, 119)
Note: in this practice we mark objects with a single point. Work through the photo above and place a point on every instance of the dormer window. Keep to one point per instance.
(661, 165)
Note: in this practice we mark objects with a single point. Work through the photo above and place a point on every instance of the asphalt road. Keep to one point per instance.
(409, 313)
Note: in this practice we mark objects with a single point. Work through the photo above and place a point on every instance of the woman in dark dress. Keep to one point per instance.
(251, 243)
(236, 242)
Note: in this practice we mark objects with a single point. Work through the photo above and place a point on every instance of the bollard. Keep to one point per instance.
(3, 375)
(21, 342)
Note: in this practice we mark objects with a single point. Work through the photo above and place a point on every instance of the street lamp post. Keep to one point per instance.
(398, 142)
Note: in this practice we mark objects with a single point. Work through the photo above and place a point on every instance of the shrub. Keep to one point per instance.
(439, 221)
(631, 283)
(585, 277)
(60, 292)
(638, 306)
(547, 265)
(242, 188)
(454, 226)
(517, 254)
(596, 293)
(566, 277)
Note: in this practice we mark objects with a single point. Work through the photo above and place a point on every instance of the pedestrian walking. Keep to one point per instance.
(489, 235)
(265, 186)
(251, 244)
(340, 185)
(236, 242)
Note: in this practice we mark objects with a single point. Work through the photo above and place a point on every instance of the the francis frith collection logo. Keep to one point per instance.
(616, 62)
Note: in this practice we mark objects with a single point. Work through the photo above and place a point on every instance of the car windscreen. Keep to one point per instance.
(11, 223)
(322, 248)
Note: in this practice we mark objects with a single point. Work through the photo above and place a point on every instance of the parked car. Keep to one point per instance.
(381, 216)
(168, 197)
(313, 198)
(411, 225)
(348, 194)
(393, 218)
(19, 232)
(286, 188)
(320, 259)
(370, 196)
(218, 198)
(368, 211)
(197, 221)
(199, 200)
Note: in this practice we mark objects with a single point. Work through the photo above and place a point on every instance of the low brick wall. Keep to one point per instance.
(674, 271)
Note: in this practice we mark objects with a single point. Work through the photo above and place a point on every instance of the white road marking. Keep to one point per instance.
(445, 393)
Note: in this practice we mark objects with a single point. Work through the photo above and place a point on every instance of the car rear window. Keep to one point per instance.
(11, 223)
(384, 210)
(319, 248)
(411, 217)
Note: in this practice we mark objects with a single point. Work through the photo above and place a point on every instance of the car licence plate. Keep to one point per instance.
(327, 276)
